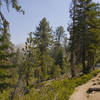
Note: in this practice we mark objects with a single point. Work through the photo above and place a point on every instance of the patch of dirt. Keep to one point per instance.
(88, 91)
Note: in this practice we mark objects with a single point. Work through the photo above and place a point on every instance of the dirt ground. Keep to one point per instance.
(81, 93)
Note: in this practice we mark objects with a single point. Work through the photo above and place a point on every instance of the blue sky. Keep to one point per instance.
(56, 12)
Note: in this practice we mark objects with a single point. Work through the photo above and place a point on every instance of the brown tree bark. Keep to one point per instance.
(72, 64)
(72, 51)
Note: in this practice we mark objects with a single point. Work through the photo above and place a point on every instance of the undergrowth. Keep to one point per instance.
(56, 90)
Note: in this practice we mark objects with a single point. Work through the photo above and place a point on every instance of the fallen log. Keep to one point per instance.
(90, 90)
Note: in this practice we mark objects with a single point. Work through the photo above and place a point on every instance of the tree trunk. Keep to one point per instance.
(73, 37)
(72, 64)
(93, 65)
(15, 89)
(27, 83)
(83, 62)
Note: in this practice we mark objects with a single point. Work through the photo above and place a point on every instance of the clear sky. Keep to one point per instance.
(56, 12)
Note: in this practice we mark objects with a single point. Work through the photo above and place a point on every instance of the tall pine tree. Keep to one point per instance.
(86, 33)
(42, 38)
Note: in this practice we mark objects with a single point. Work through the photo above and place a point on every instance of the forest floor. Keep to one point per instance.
(88, 91)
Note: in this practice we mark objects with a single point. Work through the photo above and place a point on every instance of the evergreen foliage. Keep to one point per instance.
(42, 39)
(85, 29)
(6, 52)
(38, 71)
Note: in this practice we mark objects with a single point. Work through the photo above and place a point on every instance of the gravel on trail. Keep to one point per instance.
(88, 91)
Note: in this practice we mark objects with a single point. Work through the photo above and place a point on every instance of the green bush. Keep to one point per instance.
(57, 90)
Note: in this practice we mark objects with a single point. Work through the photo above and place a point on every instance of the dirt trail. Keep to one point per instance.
(81, 91)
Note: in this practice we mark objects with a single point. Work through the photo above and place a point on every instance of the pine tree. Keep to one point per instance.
(86, 33)
(5, 54)
(57, 51)
(42, 38)
(72, 31)
(59, 34)
(28, 60)
(19, 70)
(93, 22)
